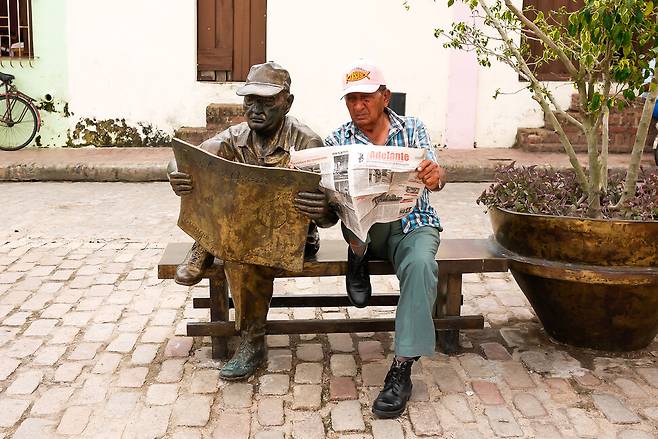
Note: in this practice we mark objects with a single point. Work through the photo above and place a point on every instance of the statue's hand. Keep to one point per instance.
(181, 183)
(315, 205)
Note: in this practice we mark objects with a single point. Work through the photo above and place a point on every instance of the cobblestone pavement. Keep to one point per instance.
(92, 345)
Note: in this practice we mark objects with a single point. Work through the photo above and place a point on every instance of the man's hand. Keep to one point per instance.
(316, 206)
(431, 174)
(181, 183)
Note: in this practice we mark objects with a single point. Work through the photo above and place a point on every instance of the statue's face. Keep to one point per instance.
(265, 114)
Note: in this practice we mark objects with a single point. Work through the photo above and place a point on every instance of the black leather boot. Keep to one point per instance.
(392, 400)
(190, 272)
(357, 280)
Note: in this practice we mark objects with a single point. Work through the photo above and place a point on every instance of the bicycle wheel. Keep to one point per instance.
(18, 122)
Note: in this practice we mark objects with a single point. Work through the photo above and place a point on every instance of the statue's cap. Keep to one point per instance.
(265, 79)
(362, 76)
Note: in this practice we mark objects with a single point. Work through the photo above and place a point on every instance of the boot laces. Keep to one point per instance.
(396, 375)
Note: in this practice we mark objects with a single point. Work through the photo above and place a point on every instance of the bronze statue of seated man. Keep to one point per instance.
(264, 140)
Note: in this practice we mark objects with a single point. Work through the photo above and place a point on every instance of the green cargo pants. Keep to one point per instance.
(413, 257)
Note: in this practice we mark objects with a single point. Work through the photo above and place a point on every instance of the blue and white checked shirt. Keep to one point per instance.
(404, 131)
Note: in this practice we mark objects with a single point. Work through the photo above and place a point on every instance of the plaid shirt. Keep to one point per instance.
(403, 131)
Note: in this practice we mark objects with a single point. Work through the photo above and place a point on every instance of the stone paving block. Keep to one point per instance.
(651, 413)
(93, 390)
(270, 411)
(36, 303)
(386, 429)
(7, 367)
(308, 373)
(56, 311)
(459, 407)
(516, 376)
(307, 397)
(192, 410)
(32, 428)
(84, 351)
(424, 419)
(309, 352)
(74, 421)
(309, 426)
(123, 343)
(151, 423)
(144, 353)
(546, 431)
(49, 355)
(341, 342)
(587, 379)
(502, 422)
(51, 401)
(99, 332)
(270, 434)
(420, 391)
(630, 388)
(650, 375)
(447, 379)
(121, 404)
(171, 371)
(347, 416)
(136, 323)
(582, 423)
(108, 314)
(488, 392)
(68, 372)
(274, 384)
(23, 347)
(106, 362)
(370, 350)
(278, 341)
(25, 383)
(155, 334)
(342, 388)
(161, 394)
(178, 347)
(64, 335)
(495, 351)
(279, 360)
(560, 390)
(77, 318)
(237, 395)
(614, 410)
(232, 426)
(634, 434)
(132, 377)
(373, 374)
(343, 365)
(550, 363)
(205, 381)
(11, 411)
(476, 366)
(529, 406)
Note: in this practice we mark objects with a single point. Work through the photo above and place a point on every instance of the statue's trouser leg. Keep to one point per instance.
(251, 288)
(413, 257)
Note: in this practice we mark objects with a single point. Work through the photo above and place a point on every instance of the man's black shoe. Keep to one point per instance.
(357, 280)
(392, 400)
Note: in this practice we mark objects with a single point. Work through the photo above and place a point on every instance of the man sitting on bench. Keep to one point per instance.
(264, 140)
(410, 243)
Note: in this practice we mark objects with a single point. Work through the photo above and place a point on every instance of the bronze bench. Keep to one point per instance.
(455, 257)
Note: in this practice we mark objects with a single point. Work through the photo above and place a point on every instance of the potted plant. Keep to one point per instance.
(583, 244)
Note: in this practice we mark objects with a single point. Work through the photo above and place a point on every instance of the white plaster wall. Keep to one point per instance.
(136, 59)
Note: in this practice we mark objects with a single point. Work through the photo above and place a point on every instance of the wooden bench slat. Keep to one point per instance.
(454, 256)
(298, 301)
(225, 329)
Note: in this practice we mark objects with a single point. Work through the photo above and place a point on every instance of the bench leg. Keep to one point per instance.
(219, 312)
(448, 303)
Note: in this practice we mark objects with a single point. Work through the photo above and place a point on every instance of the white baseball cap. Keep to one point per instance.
(362, 76)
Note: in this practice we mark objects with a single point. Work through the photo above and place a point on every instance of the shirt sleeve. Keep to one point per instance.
(422, 140)
(331, 140)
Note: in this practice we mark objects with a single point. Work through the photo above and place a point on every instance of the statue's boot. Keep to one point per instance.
(251, 353)
(195, 263)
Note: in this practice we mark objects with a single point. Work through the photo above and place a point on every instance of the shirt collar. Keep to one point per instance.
(243, 138)
(395, 121)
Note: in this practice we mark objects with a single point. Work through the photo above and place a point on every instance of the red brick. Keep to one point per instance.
(488, 392)
(342, 388)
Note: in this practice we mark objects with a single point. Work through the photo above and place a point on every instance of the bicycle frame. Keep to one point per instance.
(11, 90)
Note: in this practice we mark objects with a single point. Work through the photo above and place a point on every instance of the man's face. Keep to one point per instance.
(366, 108)
(265, 113)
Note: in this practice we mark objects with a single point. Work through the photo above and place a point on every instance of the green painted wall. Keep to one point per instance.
(47, 73)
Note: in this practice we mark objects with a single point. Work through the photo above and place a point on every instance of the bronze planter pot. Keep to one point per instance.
(592, 283)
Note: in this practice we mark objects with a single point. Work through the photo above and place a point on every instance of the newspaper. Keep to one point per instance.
(367, 184)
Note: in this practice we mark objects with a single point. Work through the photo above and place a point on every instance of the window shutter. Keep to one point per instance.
(231, 35)
(215, 35)
(554, 70)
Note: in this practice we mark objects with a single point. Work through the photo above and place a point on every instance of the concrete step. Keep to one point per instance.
(194, 135)
(222, 116)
